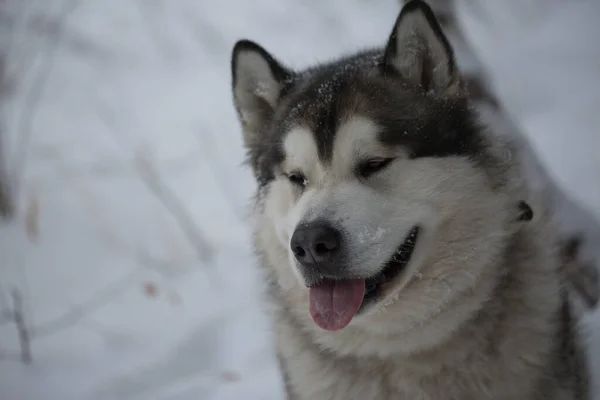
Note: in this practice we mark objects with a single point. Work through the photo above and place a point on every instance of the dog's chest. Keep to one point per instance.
(333, 381)
(316, 377)
(321, 382)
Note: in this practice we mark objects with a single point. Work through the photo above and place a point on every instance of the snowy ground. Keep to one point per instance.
(131, 246)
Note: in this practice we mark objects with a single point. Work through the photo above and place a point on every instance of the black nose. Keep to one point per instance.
(315, 243)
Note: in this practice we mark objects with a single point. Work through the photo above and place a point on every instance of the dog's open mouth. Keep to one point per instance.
(333, 303)
(393, 267)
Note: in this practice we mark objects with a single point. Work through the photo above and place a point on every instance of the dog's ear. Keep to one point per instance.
(420, 53)
(257, 79)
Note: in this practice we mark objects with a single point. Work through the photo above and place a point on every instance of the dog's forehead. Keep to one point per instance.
(324, 98)
(356, 137)
(333, 114)
(353, 138)
(300, 149)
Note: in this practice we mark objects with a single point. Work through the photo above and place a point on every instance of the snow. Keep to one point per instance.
(131, 246)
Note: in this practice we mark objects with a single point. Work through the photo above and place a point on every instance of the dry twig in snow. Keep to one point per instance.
(6, 199)
(19, 318)
(32, 99)
(16, 315)
(177, 209)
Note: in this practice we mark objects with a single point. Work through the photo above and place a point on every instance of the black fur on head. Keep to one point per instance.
(410, 88)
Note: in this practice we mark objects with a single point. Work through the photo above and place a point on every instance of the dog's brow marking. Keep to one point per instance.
(301, 151)
(355, 138)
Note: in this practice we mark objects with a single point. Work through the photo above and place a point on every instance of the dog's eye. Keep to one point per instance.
(297, 179)
(373, 166)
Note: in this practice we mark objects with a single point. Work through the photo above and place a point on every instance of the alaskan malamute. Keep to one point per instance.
(404, 251)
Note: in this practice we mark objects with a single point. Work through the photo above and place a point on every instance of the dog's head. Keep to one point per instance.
(376, 183)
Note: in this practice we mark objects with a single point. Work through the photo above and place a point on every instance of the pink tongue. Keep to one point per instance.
(334, 304)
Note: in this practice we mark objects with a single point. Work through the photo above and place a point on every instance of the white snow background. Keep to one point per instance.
(131, 249)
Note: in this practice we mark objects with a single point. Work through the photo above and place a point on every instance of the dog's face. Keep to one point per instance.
(377, 188)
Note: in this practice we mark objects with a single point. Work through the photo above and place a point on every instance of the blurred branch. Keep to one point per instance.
(33, 97)
(7, 208)
(16, 315)
(77, 312)
(74, 315)
(6, 198)
(6, 203)
(154, 183)
(207, 147)
(23, 332)
(176, 207)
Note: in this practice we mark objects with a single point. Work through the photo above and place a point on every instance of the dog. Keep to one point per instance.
(406, 255)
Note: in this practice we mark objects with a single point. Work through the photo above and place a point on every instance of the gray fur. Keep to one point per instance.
(481, 310)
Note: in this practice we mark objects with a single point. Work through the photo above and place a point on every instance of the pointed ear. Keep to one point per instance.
(257, 79)
(419, 52)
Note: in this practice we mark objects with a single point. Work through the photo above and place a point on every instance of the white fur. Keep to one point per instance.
(431, 193)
